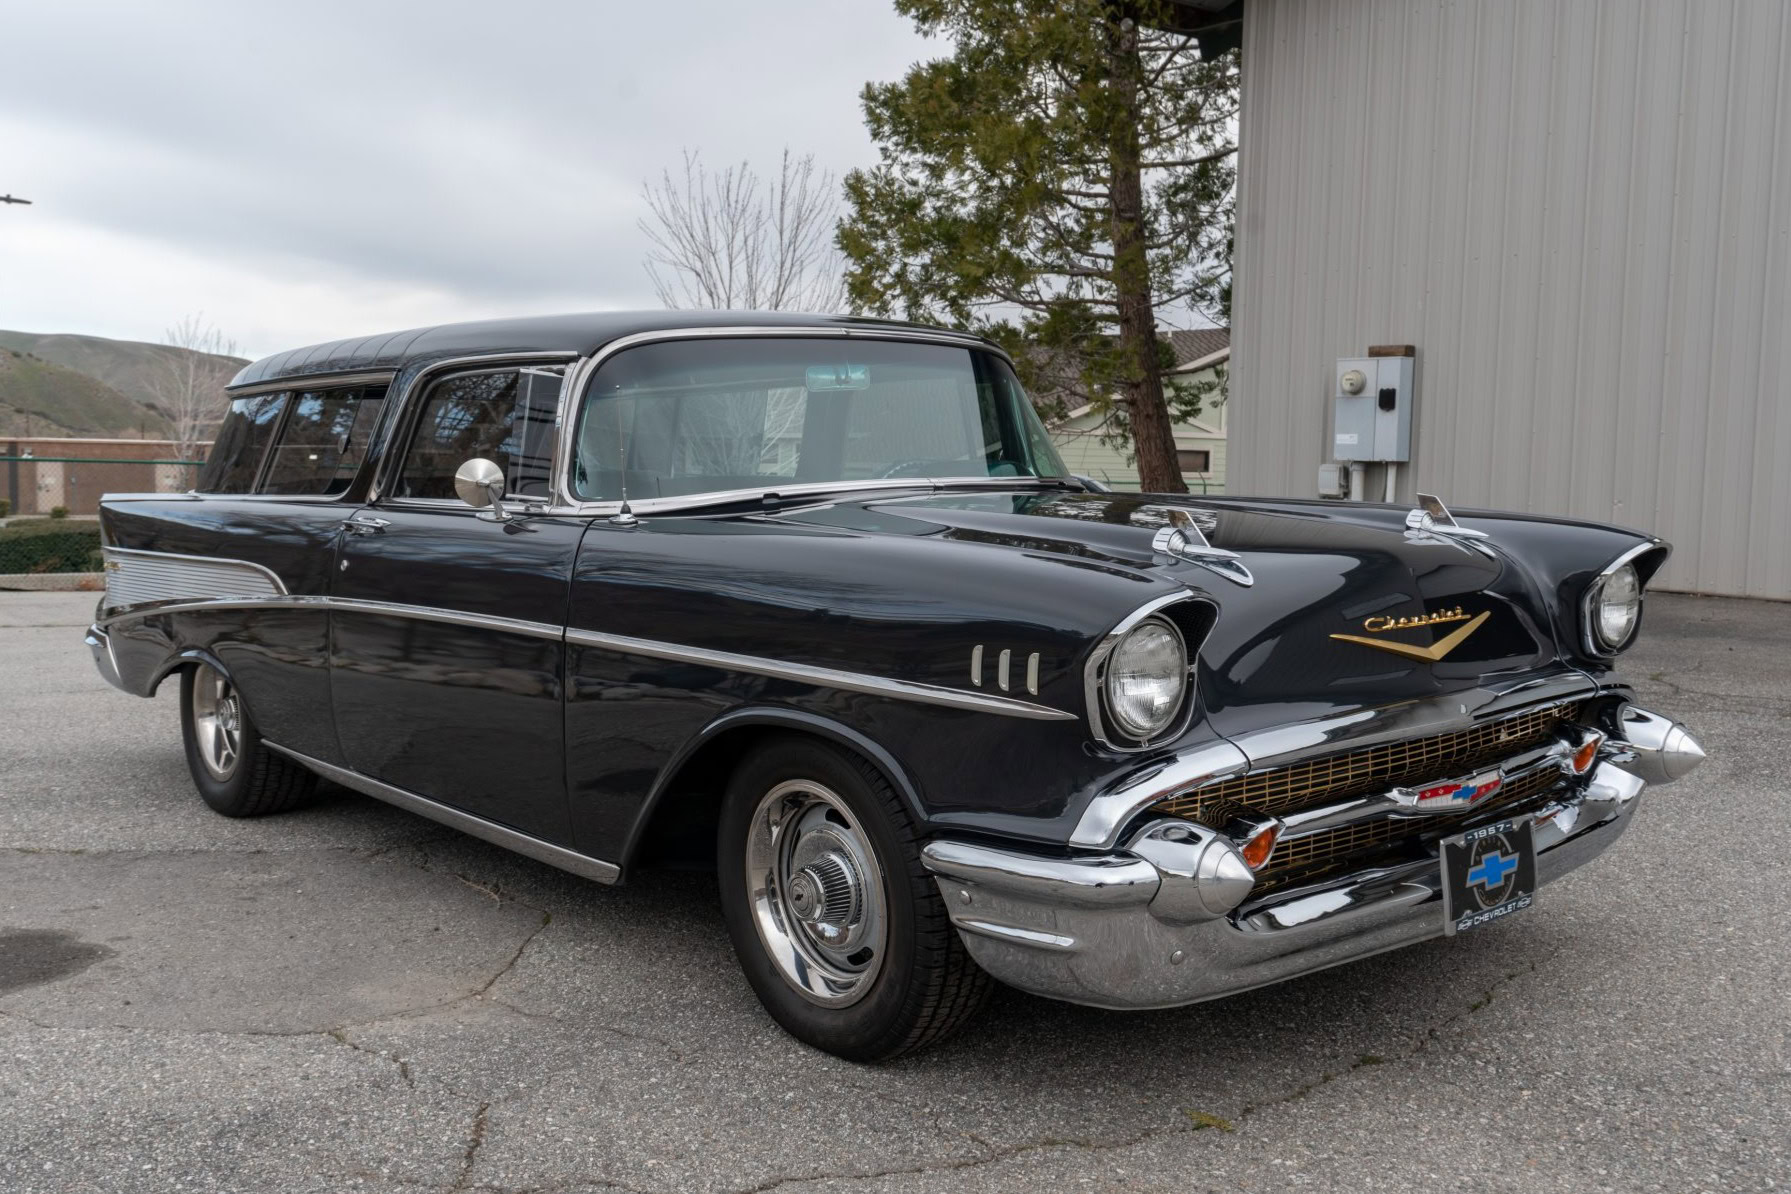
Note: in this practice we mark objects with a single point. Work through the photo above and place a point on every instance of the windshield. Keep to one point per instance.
(689, 417)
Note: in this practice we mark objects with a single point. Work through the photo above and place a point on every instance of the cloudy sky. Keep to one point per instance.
(303, 171)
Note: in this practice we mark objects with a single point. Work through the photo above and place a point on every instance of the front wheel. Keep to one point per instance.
(838, 927)
(235, 772)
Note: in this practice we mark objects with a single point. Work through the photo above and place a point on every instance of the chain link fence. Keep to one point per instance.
(49, 506)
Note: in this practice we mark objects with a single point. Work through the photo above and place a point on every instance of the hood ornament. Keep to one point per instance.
(1431, 522)
(1182, 540)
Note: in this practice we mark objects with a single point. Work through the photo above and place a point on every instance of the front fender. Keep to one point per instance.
(721, 734)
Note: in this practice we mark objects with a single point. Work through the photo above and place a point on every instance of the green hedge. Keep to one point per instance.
(50, 545)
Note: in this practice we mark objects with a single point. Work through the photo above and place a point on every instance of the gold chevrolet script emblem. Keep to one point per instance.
(1431, 654)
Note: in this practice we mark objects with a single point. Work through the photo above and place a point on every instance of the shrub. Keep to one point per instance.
(58, 511)
(5, 507)
(50, 545)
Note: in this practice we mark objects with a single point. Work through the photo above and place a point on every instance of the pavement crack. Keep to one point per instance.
(546, 919)
(341, 1037)
(471, 1156)
(590, 1025)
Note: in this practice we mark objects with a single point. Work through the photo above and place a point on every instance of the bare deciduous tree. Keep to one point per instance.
(188, 384)
(731, 241)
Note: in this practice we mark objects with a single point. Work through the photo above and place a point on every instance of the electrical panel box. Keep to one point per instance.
(1372, 405)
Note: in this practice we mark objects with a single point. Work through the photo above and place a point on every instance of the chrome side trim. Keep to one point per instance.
(479, 827)
(310, 381)
(134, 576)
(425, 613)
(153, 608)
(820, 677)
(430, 613)
(1092, 678)
(579, 376)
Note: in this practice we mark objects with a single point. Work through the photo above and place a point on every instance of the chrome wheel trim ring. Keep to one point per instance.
(817, 893)
(217, 722)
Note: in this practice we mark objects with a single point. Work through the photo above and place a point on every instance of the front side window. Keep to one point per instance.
(715, 415)
(323, 441)
(506, 416)
(237, 453)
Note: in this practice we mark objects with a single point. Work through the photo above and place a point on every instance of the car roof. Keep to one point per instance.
(582, 334)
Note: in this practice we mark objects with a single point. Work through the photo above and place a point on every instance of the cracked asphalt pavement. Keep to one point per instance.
(349, 998)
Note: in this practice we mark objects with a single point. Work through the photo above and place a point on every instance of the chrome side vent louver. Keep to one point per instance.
(1005, 667)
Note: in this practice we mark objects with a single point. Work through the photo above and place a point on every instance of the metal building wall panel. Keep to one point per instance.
(1579, 210)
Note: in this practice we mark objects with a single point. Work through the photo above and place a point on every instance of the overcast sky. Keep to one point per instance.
(305, 171)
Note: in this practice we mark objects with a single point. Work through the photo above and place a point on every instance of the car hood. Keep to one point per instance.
(1321, 570)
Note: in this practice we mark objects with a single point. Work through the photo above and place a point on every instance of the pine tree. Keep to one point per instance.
(1057, 181)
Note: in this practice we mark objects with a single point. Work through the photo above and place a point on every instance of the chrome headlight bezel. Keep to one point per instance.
(1592, 605)
(1112, 731)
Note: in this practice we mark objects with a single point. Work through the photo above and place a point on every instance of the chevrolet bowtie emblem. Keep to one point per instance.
(1430, 654)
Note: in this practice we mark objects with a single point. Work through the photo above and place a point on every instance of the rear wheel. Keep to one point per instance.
(235, 772)
(838, 927)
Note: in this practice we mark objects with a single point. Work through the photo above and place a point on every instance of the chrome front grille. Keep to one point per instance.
(1322, 853)
(1411, 763)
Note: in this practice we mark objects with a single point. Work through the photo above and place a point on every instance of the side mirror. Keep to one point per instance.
(480, 484)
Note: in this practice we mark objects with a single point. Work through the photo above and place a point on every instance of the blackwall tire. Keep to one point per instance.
(236, 774)
(839, 929)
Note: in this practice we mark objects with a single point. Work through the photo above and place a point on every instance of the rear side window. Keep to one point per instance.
(236, 455)
(323, 441)
(506, 417)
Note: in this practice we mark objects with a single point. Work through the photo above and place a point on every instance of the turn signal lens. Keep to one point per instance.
(1257, 848)
(1587, 754)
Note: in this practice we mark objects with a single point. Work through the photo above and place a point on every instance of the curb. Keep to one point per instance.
(53, 582)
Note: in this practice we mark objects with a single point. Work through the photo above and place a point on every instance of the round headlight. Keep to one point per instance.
(1617, 607)
(1147, 674)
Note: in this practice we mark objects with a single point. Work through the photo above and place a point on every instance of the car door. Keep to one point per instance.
(447, 654)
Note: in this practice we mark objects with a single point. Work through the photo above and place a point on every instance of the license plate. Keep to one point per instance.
(1489, 873)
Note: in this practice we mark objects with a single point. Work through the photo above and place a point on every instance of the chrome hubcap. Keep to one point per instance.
(817, 893)
(217, 722)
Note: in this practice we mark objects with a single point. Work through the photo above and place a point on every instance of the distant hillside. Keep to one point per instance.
(80, 385)
(38, 398)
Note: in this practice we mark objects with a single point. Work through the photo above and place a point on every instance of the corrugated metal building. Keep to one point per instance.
(1579, 211)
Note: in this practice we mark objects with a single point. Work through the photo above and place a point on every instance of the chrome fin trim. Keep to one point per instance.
(479, 827)
(134, 577)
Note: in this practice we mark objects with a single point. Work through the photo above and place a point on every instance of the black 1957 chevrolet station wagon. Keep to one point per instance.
(814, 599)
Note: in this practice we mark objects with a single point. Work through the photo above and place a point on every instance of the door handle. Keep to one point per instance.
(365, 524)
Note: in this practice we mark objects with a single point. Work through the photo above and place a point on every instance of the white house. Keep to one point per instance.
(1200, 443)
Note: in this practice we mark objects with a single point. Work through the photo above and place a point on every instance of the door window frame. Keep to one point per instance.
(416, 395)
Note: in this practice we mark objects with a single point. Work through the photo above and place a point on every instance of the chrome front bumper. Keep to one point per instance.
(1131, 928)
